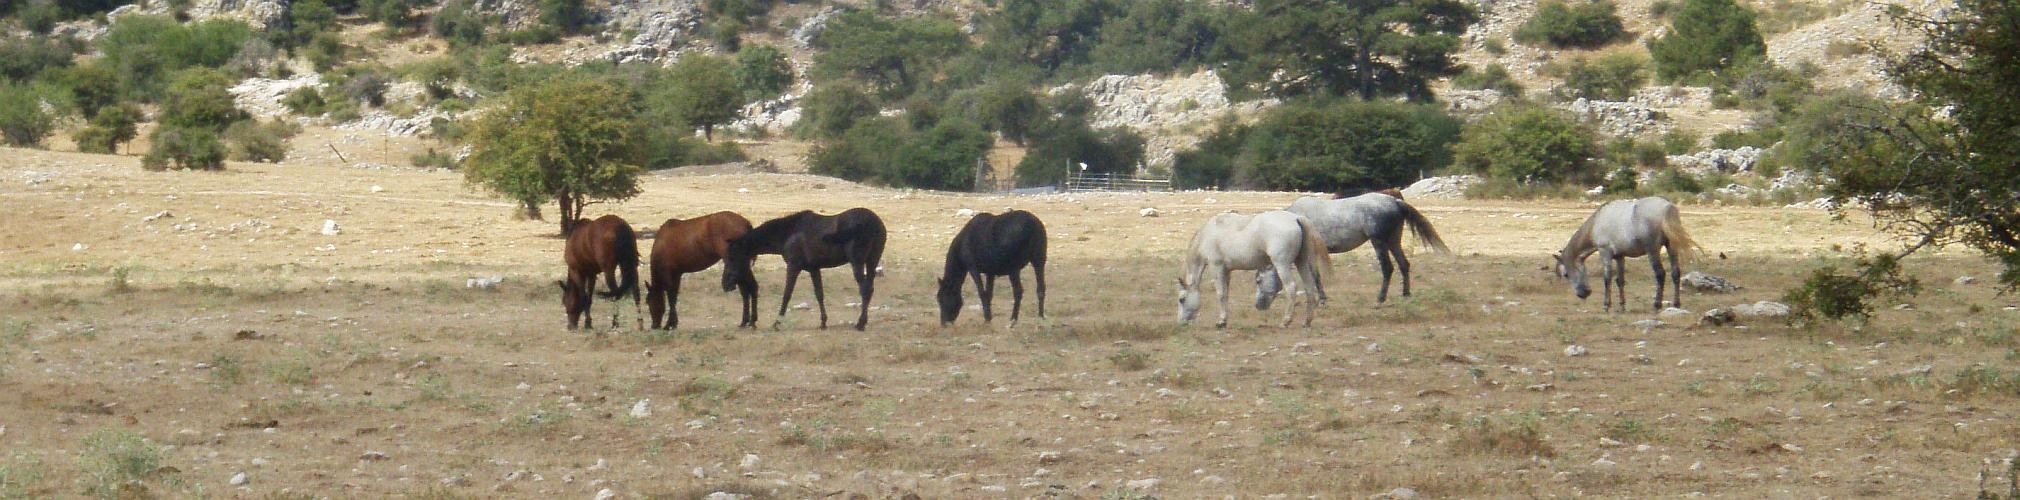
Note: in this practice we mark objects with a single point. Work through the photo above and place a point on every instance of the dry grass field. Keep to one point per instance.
(166, 355)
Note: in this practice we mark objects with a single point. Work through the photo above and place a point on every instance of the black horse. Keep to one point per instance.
(990, 246)
(811, 242)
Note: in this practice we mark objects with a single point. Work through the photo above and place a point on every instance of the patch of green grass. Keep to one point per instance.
(1130, 360)
(115, 463)
(1630, 431)
(21, 477)
(295, 372)
(226, 371)
(1513, 436)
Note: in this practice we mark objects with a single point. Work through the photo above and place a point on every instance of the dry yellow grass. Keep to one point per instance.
(369, 369)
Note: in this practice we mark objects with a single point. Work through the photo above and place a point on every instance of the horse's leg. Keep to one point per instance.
(1655, 261)
(985, 289)
(1620, 279)
(1675, 277)
(819, 300)
(866, 284)
(792, 275)
(1016, 297)
(1388, 269)
(1606, 280)
(748, 292)
(673, 303)
(1038, 274)
(1291, 288)
(1402, 264)
(1222, 275)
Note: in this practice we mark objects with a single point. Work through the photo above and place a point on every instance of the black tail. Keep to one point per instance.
(627, 263)
(847, 230)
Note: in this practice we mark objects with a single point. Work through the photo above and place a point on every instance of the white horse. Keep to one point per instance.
(1624, 229)
(1281, 241)
(1347, 223)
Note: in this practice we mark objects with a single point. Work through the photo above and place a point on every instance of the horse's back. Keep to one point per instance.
(1630, 227)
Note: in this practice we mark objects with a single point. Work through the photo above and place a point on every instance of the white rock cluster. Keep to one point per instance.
(1447, 187)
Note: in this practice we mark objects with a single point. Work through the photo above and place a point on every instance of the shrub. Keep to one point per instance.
(1494, 77)
(534, 35)
(861, 152)
(1826, 294)
(196, 110)
(1706, 36)
(305, 101)
(1587, 25)
(24, 58)
(1761, 85)
(1067, 140)
(1735, 139)
(566, 16)
(762, 71)
(253, 58)
(1613, 77)
(23, 122)
(459, 23)
(92, 87)
(1344, 145)
(1005, 106)
(188, 148)
(361, 84)
(307, 19)
(114, 458)
(113, 126)
(1679, 141)
(831, 110)
(325, 51)
(1527, 144)
(260, 142)
(143, 50)
(704, 92)
(1210, 164)
(433, 159)
(941, 157)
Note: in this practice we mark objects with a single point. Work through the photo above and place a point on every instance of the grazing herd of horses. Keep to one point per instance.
(1295, 242)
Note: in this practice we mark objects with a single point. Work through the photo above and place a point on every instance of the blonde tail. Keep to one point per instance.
(1679, 239)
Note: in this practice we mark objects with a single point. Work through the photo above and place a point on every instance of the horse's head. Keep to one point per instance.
(572, 300)
(1572, 269)
(950, 300)
(1188, 302)
(736, 264)
(1267, 286)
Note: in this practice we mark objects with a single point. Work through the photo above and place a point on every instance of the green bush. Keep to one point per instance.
(1761, 85)
(1612, 77)
(1679, 141)
(1066, 140)
(92, 87)
(25, 58)
(1528, 145)
(459, 23)
(741, 11)
(433, 159)
(1211, 163)
(143, 50)
(1758, 137)
(1005, 106)
(1586, 25)
(22, 119)
(762, 72)
(704, 92)
(325, 51)
(260, 142)
(112, 126)
(1706, 36)
(1158, 36)
(196, 110)
(188, 148)
(1826, 294)
(114, 458)
(830, 110)
(361, 84)
(534, 35)
(1342, 145)
(895, 56)
(861, 152)
(1494, 77)
(886, 150)
(567, 16)
(307, 19)
(1672, 180)
(305, 101)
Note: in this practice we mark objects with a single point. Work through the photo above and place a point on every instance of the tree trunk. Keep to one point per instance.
(708, 133)
(570, 211)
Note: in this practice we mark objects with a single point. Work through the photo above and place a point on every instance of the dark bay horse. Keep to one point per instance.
(604, 246)
(690, 246)
(989, 246)
(811, 242)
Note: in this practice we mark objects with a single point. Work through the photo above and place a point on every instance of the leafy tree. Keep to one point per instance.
(1527, 144)
(1291, 48)
(459, 23)
(568, 16)
(1494, 77)
(894, 56)
(306, 19)
(195, 112)
(1159, 36)
(1005, 107)
(861, 152)
(1586, 25)
(1706, 36)
(1047, 34)
(1067, 139)
(1339, 146)
(941, 157)
(567, 139)
(25, 58)
(762, 71)
(1613, 77)
(705, 92)
(1211, 163)
(830, 110)
(22, 120)
(110, 127)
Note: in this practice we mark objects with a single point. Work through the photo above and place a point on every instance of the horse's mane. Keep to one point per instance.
(776, 229)
(1581, 241)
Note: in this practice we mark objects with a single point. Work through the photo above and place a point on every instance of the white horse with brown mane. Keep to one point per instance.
(1281, 241)
(1624, 229)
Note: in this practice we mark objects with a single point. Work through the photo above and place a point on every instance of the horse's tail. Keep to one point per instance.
(850, 229)
(1314, 255)
(626, 248)
(1426, 235)
(1672, 230)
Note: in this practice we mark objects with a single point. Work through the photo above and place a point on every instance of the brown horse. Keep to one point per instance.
(690, 246)
(604, 246)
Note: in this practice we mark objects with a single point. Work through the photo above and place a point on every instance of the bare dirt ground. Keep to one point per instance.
(235, 337)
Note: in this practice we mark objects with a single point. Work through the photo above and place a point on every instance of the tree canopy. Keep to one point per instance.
(1706, 36)
(565, 140)
(1369, 49)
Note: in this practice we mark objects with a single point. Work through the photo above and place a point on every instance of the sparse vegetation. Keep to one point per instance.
(1585, 25)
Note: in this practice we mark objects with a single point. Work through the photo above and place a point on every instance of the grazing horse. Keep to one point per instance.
(1345, 223)
(989, 246)
(1282, 241)
(690, 246)
(811, 242)
(1622, 229)
(604, 246)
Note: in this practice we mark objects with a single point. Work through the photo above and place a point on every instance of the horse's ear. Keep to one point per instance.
(562, 284)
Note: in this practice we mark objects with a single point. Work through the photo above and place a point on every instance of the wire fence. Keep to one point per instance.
(1077, 181)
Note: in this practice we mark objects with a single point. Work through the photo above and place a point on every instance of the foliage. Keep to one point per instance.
(1561, 25)
(1494, 77)
(251, 140)
(1612, 77)
(1004, 107)
(186, 148)
(1826, 294)
(325, 51)
(395, 14)
(459, 22)
(112, 126)
(893, 55)
(1706, 36)
(1527, 144)
(1679, 141)
(143, 50)
(1045, 34)
(22, 119)
(762, 72)
(1297, 47)
(829, 110)
(1761, 85)
(196, 110)
(1159, 36)
(886, 150)
(1211, 163)
(704, 92)
(360, 83)
(305, 101)
(113, 458)
(1067, 140)
(306, 20)
(1339, 145)
(741, 11)
(861, 152)
(24, 58)
(567, 16)
(567, 139)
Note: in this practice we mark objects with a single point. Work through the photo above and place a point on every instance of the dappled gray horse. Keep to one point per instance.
(1344, 224)
(1281, 241)
(1620, 230)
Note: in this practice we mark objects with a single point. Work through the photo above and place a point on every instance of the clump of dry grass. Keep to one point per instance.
(1514, 436)
(1130, 360)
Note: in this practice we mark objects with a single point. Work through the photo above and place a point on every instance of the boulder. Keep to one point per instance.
(1448, 187)
(1707, 283)
(1762, 309)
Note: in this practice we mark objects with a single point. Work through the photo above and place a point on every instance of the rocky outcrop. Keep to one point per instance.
(663, 27)
(1672, 97)
(260, 14)
(262, 96)
(1448, 187)
(805, 33)
(1160, 108)
(1615, 118)
(1718, 160)
(515, 14)
(773, 116)
(1470, 101)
